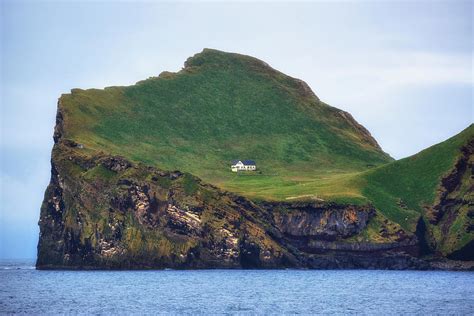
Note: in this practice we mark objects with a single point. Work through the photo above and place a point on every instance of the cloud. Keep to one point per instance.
(394, 69)
(362, 75)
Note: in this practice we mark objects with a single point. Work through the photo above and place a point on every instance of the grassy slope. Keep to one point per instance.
(221, 107)
(413, 181)
(226, 106)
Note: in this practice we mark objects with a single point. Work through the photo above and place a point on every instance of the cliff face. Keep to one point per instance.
(451, 218)
(105, 212)
(102, 211)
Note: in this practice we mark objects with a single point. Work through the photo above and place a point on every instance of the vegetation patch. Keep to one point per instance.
(222, 107)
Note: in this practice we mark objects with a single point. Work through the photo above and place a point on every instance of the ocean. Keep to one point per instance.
(28, 291)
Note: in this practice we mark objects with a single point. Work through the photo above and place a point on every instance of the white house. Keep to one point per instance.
(243, 165)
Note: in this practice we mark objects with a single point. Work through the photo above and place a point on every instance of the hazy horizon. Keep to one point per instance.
(402, 69)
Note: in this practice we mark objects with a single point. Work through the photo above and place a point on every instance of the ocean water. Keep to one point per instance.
(26, 290)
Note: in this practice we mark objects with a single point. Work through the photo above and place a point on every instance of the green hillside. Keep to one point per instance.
(403, 189)
(225, 106)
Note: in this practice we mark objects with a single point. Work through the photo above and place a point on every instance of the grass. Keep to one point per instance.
(413, 180)
(222, 107)
(190, 185)
(99, 172)
(328, 186)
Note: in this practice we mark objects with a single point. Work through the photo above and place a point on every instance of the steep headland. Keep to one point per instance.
(141, 179)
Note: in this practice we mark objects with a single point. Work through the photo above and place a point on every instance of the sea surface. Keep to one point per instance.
(28, 291)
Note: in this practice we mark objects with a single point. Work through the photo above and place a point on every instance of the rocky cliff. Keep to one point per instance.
(451, 218)
(104, 212)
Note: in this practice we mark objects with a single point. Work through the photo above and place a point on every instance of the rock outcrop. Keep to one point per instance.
(104, 212)
(452, 215)
(361, 129)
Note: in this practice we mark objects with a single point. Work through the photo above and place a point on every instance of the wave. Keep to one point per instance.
(17, 264)
(18, 268)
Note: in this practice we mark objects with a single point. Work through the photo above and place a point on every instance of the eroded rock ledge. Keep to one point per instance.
(104, 212)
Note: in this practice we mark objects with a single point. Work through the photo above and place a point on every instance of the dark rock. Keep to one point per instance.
(137, 223)
(115, 163)
(175, 175)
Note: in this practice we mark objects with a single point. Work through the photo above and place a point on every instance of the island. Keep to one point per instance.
(140, 179)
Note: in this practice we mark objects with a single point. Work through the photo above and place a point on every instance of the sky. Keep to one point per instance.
(403, 69)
